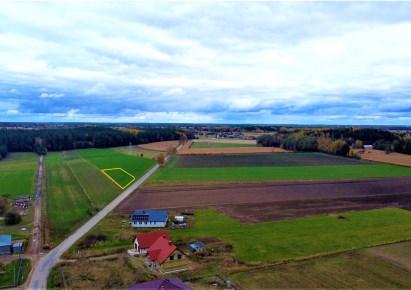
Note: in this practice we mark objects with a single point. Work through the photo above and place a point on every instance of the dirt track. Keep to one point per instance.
(272, 201)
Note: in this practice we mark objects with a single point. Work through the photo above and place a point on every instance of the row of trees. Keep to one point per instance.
(41, 141)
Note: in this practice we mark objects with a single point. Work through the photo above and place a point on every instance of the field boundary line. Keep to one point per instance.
(112, 179)
(79, 182)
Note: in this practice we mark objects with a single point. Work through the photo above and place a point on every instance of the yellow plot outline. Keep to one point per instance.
(122, 187)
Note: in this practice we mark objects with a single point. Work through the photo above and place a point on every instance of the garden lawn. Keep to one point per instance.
(67, 205)
(100, 189)
(17, 174)
(303, 237)
(219, 145)
(288, 173)
(109, 158)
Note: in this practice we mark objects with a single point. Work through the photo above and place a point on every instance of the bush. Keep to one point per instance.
(12, 218)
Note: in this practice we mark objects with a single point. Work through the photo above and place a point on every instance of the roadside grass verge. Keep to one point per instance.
(109, 158)
(17, 174)
(100, 189)
(352, 270)
(302, 237)
(290, 173)
(219, 145)
(67, 205)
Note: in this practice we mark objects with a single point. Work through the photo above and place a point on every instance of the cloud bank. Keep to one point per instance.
(268, 62)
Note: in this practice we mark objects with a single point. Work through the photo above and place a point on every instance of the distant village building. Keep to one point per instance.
(367, 146)
(173, 283)
(142, 242)
(149, 219)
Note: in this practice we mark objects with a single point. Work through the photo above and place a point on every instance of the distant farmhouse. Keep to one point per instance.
(149, 219)
(173, 283)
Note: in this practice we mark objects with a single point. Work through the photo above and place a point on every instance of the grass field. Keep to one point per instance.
(219, 145)
(175, 176)
(303, 237)
(10, 271)
(109, 158)
(137, 151)
(262, 160)
(100, 189)
(17, 173)
(354, 270)
(67, 205)
(119, 176)
(399, 253)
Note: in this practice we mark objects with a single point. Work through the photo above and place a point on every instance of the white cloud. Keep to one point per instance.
(51, 96)
(175, 92)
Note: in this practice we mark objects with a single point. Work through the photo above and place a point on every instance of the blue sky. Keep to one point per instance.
(208, 62)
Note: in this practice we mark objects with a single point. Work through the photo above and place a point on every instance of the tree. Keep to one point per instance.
(359, 144)
(12, 218)
(171, 151)
(161, 159)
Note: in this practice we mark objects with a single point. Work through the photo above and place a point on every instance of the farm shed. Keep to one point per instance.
(197, 247)
(164, 256)
(149, 219)
(179, 218)
(160, 284)
(143, 242)
(5, 244)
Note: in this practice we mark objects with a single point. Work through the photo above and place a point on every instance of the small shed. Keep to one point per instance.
(18, 248)
(179, 218)
(197, 247)
(5, 244)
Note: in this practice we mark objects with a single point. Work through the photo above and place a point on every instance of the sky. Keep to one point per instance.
(343, 63)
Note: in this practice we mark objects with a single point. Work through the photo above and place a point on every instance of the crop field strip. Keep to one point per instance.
(109, 158)
(98, 187)
(181, 176)
(17, 173)
(219, 145)
(137, 151)
(302, 237)
(263, 160)
(67, 205)
(119, 176)
(352, 270)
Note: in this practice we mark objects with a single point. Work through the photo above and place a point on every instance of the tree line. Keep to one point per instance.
(337, 141)
(43, 140)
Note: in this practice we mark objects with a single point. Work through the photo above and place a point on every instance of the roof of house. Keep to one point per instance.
(149, 215)
(147, 239)
(172, 283)
(197, 245)
(161, 250)
(5, 240)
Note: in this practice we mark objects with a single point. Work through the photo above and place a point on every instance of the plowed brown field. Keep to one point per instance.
(380, 156)
(159, 146)
(269, 201)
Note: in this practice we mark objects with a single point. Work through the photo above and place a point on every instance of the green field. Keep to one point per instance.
(119, 176)
(17, 173)
(289, 173)
(100, 189)
(7, 278)
(67, 204)
(219, 145)
(137, 151)
(302, 237)
(109, 158)
(354, 270)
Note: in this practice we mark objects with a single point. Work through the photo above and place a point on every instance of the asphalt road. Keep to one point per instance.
(42, 269)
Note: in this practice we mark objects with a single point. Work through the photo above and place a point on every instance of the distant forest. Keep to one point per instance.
(43, 140)
(337, 141)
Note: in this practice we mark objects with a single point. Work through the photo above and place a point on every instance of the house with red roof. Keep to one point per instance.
(162, 254)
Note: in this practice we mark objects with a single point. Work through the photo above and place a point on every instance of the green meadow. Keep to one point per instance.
(17, 173)
(302, 237)
(284, 173)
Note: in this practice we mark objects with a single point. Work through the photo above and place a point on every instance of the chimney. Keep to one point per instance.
(164, 236)
(169, 242)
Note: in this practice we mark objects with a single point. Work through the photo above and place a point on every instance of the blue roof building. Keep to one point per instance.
(149, 219)
(197, 247)
(5, 244)
(18, 248)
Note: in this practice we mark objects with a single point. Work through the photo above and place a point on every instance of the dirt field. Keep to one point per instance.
(380, 156)
(265, 201)
(186, 150)
(159, 146)
(235, 141)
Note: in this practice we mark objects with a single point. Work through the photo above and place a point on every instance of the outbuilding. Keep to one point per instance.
(149, 219)
(18, 248)
(197, 247)
(5, 244)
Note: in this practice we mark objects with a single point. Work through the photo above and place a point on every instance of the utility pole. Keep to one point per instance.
(129, 149)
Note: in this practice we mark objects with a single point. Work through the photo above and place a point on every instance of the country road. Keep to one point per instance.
(42, 269)
(36, 242)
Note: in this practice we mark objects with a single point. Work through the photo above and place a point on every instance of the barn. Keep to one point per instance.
(5, 244)
(149, 219)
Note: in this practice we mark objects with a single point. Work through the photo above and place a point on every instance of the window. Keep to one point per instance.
(172, 258)
(179, 256)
